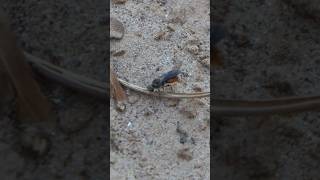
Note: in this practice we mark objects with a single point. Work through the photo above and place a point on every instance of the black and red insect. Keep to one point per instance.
(166, 79)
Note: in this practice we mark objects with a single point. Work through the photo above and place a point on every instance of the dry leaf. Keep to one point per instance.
(6, 90)
(117, 91)
(216, 59)
(33, 105)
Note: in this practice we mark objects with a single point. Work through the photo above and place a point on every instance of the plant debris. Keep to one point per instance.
(32, 104)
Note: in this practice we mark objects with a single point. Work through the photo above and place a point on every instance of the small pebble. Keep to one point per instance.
(184, 154)
(196, 88)
(34, 142)
(159, 35)
(56, 101)
(132, 99)
(193, 49)
(119, 53)
(138, 34)
(121, 107)
(206, 62)
(171, 27)
(162, 2)
(119, 1)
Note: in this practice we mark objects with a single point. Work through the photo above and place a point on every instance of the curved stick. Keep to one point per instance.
(93, 87)
(259, 108)
(220, 107)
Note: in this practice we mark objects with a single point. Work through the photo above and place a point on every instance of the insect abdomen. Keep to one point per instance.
(169, 75)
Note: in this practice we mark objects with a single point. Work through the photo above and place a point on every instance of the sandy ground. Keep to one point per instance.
(154, 138)
(272, 50)
(160, 138)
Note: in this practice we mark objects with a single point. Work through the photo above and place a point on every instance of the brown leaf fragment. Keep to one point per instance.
(216, 59)
(6, 90)
(117, 91)
(33, 105)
